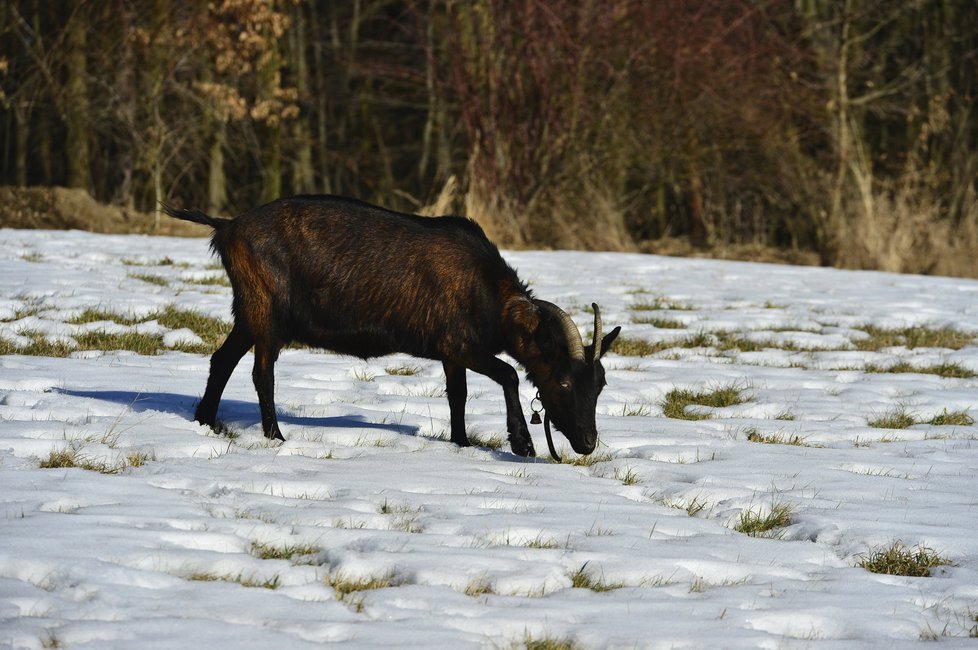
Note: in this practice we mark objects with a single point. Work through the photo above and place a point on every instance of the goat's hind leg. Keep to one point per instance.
(223, 362)
(456, 389)
(266, 353)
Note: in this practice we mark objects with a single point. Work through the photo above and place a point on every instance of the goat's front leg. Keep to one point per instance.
(506, 376)
(457, 392)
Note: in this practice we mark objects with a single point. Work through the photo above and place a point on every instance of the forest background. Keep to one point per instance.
(846, 130)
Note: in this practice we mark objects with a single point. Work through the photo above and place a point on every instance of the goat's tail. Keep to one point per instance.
(196, 216)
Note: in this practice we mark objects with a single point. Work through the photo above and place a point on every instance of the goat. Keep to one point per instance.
(351, 277)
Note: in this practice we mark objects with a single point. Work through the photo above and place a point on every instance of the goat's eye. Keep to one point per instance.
(566, 385)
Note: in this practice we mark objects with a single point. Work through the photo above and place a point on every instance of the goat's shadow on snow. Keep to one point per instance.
(237, 411)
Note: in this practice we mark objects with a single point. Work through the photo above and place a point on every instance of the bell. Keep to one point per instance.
(535, 418)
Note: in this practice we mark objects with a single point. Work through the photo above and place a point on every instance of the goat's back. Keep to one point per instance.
(359, 279)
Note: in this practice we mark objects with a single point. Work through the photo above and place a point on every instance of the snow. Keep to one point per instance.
(479, 547)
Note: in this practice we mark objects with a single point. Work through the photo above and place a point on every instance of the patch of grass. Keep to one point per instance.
(626, 475)
(586, 461)
(364, 440)
(952, 418)
(898, 419)
(32, 256)
(163, 261)
(245, 581)
(286, 552)
(898, 560)
(732, 341)
(753, 435)
(754, 524)
(145, 344)
(597, 531)
(38, 347)
(632, 347)
(428, 390)
(407, 520)
(24, 312)
(407, 523)
(488, 442)
(211, 330)
(151, 279)
(879, 471)
(947, 369)
(677, 400)
(97, 315)
(635, 347)
(659, 304)
(546, 643)
(692, 507)
(361, 374)
(661, 323)
(210, 281)
(637, 410)
(70, 457)
(59, 458)
(583, 579)
(402, 371)
(344, 585)
(699, 340)
(138, 458)
(727, 341)
(901, 419)
(478, 588)
(913, 337)
(542, 542)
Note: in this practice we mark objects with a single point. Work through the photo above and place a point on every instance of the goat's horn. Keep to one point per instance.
(575, 344)
(596, 351)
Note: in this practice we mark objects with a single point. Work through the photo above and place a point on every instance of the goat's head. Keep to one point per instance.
(568, 373)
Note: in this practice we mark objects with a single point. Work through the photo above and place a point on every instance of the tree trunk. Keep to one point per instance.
(302, 171)
(216, 180)
(840, 116)
(78, 120)
(433, 109)
(22, 118)
(270, 131)
(322, 107)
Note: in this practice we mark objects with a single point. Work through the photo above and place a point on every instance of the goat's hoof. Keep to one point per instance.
(522, 446)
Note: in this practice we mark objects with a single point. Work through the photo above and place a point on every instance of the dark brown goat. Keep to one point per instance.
(351, 277)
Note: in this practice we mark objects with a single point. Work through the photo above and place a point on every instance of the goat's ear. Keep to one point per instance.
(548, 337)
(524, 318)
(608, 340)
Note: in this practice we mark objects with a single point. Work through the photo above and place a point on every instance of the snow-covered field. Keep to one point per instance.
(368, 527)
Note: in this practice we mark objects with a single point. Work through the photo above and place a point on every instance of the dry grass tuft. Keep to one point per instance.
(898, 560)
(754, 524)
(677, 400)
